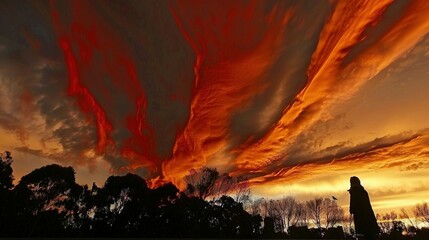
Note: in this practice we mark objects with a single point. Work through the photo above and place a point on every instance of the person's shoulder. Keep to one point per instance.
(357, 189)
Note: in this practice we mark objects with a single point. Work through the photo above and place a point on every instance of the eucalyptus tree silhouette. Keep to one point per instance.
(44, 200)
(201, 182)
(6, 184)
(6, 177)
(120, 206)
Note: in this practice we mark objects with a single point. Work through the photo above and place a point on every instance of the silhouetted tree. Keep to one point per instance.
(241, 221)
(333, 214)
(386, 221)
(273, 211)
(44, 200)
(301, 215)
(253, 206)
(121, 206)
(287, 207)
(348, 224)
(421, 212)
(165, 194)
(79, 220)
(392, 229)
(6, 184)
(205, 182)
(314, 210)
(194, 217)
(6, 177)
(222, 185)
(48, 187)
(245, 224)
(200, 182)
(408, 217)
(240, 189)
(183, 219)
(256, 224)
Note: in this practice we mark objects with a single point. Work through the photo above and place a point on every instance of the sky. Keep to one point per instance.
(295, 96)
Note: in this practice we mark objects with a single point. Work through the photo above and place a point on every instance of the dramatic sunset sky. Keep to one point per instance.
(296, 96)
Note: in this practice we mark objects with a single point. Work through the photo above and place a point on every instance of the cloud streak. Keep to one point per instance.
(328, 80)
(402, 152)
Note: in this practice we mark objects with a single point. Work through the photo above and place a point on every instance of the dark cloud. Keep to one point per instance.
(164, 62)
(303, 166)
(164, 67)
(342, 150)
(12, 123)
(35, 152)
(287, 75)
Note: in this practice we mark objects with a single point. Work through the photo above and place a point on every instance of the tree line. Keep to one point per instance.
(49, 203)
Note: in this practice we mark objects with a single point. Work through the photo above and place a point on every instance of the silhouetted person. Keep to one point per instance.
(360, 207)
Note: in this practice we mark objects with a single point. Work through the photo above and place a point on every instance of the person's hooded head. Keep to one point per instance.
(354, 181)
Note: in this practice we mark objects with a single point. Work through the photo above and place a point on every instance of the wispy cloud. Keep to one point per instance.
(403, 153)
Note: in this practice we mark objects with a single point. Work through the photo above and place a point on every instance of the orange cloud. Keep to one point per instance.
(229, 70)
(407, 154)
(329, 80)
